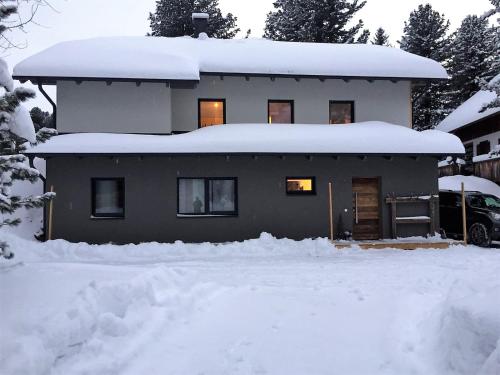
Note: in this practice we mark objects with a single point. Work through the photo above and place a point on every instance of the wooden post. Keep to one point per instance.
(393, 219)
(464, 215)
(331, 209)
(51, 210)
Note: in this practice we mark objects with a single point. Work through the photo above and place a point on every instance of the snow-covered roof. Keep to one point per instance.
(185, 58)
(469, 111)
(359, 138)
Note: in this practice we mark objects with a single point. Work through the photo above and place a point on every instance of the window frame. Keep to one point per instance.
(353, 110)
(200, 100)
(486, 143)
(289, 101)
(208, 212)
(301, 192)
(93, 213)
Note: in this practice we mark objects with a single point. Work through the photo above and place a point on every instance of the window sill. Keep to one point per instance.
(207, 215)
(107, 217)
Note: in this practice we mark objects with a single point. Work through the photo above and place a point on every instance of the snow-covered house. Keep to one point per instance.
(479, 130)
(285, 116)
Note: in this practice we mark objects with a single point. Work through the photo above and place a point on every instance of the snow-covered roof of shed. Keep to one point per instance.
(359, 138)
(470, 111)
(184, 58)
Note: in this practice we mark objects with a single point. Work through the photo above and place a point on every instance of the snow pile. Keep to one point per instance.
(266, 245)
(471, 183)
(470, 110)
(465, 328)
(358, 138)
(105, 325)
(21, 124)
(184, 58)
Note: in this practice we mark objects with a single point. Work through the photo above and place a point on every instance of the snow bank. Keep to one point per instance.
(104, 325)
(469, 111)
(472, 183)
(156, 252)
(184, 58)
(465, 329)
(358, 138)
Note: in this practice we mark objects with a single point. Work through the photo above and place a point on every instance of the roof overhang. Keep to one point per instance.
(177, 83)
(174, 83)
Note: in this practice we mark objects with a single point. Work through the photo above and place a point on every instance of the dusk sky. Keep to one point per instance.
(80, 19)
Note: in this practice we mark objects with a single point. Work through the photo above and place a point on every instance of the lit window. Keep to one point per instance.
(300, 185)
(211, 112)
(280, 111)
(108, 197)
(207, 196)
(341, 112)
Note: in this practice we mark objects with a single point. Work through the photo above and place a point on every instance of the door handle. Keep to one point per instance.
(356, 207)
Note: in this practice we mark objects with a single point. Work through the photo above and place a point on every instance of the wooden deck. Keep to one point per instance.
(377, 245)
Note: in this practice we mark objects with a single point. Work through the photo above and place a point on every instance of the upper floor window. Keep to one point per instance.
(280, 111)
(211, 112)
(341, 112)
(483, 148)
(108, 197)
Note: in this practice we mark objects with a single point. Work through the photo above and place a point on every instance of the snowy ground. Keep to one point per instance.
(263, 306)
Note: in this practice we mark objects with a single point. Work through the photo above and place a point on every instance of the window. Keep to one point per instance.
(280, 111)
(469, 152)
(207, 196)
(108, 197)
(301, 185)
(211, 112)
(341, 112)
(483, 148)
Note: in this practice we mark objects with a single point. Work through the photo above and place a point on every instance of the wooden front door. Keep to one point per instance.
(366, 210)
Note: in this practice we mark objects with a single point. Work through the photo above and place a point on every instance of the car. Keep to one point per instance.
(482, 213)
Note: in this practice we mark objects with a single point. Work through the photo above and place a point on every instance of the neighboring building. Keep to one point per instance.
(233, 182)
(480, 133)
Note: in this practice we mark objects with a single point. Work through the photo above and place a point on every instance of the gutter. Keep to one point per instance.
(49, 99)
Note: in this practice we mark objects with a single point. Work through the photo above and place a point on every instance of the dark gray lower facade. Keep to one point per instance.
(263, 205)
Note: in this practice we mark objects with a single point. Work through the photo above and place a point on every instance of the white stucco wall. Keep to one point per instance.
(155, 108)
(118, 108)
(246, 101)
(493, 138)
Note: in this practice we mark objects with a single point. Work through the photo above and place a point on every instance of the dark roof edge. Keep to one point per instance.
(51, 80)
(136, 154)
(475, 122)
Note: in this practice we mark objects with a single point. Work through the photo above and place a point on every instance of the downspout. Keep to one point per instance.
(31, 159)
(52, 103)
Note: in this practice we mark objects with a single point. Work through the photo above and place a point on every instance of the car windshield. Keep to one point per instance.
(484, 201)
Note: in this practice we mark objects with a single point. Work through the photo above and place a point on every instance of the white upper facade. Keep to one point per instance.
(185, 58)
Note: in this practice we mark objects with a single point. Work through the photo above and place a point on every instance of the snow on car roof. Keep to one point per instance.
(358, 138)
(470, 110)
(184, 58)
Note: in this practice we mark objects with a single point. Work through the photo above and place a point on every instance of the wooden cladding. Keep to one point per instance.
(366, 208)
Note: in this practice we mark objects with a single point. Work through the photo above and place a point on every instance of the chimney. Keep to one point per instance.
(200, 23)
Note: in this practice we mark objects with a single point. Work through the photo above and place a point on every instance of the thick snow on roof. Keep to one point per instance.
(360, 138)
(469, 111)
(184, 58)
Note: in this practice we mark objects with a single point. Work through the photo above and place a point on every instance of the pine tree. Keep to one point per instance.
(173, 18)
(314, 21)
(425, 34)
(41, 119)
(472, 57)
(364, 37)
(16, 130)
(381, 38)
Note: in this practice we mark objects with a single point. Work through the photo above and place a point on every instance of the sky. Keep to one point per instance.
(81, 19)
